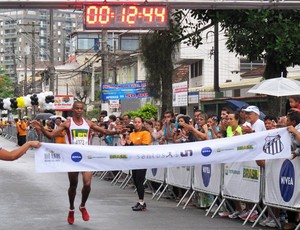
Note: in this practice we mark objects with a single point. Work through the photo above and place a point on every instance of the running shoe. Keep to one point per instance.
(71, 217)
(271, 224)
(265, 221)
(234, 215)
(85, 215)
(223, 214)
(139, 207)
(244, 215)
(253, 216)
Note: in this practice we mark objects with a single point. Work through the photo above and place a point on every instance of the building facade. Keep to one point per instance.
(25, 34)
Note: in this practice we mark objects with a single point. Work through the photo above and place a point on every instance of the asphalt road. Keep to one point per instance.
(31, 200)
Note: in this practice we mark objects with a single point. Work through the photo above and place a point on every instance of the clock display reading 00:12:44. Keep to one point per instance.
(125, 17)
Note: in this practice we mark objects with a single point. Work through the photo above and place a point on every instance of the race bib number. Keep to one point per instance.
(80, 136)
(79, 142)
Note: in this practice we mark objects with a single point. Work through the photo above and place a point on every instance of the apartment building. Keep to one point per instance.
(25, 34)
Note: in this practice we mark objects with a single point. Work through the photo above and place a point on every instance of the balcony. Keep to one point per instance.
(9, 44)
(10, 35)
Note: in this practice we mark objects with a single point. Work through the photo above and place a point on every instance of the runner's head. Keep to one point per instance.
(77, 109)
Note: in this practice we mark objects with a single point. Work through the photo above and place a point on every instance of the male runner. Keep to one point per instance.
(78, 132)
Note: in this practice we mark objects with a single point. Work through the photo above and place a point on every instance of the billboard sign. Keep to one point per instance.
(63, 102)
(124, 91)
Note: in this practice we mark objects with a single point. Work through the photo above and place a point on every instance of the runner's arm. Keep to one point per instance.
(17, 153)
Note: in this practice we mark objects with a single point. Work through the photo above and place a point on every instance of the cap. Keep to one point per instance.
(243, 107)
(252, 108)
(25, 117)
(94, 119)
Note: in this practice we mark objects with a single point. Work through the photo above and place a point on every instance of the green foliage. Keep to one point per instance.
(273, 35)
(6, 85)
(158, 48)
(147, 111)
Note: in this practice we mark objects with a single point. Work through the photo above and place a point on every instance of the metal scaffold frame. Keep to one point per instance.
(174, 4)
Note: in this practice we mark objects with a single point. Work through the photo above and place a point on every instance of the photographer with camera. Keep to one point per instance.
(183, 133)
(168, 128)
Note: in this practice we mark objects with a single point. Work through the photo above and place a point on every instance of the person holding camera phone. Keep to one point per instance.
(168, 128)
(183, 133)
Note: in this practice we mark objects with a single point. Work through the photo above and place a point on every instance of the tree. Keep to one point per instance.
(146, 111)
(273, 35)
(6, 85)
(158, 48)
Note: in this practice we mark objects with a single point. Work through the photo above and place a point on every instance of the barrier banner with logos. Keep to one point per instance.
(207, 178)
(270, 144)
(242, 180)
(155, 174)
(179, 176)
(281, 186)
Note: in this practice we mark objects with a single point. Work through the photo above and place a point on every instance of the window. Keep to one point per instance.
(247, 65)
(130, 42)
(196, 69)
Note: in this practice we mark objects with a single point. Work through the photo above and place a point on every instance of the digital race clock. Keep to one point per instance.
(125, 17)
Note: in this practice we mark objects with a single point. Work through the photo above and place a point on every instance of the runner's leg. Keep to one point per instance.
(73, 179)
(86, 189)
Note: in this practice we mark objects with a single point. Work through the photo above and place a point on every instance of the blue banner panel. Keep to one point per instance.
(124, 91)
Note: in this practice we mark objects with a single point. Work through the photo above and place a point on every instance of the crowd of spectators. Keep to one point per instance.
(182, 128)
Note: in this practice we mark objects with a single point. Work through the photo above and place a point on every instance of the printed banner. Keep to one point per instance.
(180, 176)
(63, 102)
(124, 91)
(239, 177)
(156, 174)
(180, 92)
(270, 144)
(207, 178)
(282, 188)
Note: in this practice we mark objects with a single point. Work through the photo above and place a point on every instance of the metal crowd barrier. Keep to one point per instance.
(244, 181)
(9, 132)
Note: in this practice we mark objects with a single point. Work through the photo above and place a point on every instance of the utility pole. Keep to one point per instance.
(216, 60)
(33, 58)
(16, 91)
(26, 53)
(115, 61)
(25, 76)
(104, 57)
(51, 49)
